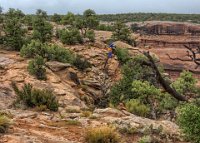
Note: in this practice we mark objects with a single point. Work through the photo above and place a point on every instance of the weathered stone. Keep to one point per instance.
(92, 83)
(109, 112)
(57, 66)
(5, 61)
(60, 92)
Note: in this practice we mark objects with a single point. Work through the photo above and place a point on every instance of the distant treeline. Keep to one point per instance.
(140, 17)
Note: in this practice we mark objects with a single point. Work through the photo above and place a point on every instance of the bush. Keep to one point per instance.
(185, 83)
(50, 52)
(35, 47)
(4, 123)
(56, 53)
(70, 36)
(134, 69)
(134, 106)
(168, 102)
(102, 134)
(36, 67)
(14, 34)
(122, 32)
(144, 90)
(68, 19)
(90, 35)
(122, 55)
(81, 63)
(35, 97)
(105, 27)
(56, 18)
(42, 30)
(189, 121)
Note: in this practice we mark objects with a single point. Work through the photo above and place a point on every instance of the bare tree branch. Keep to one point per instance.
(162, 81)
(177, 58)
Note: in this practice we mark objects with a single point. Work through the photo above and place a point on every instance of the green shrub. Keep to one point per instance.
(56, 53)
(136, 107)
(105, 27)
(122, 55)
(186, 83)
(42, 30)
(36, 67)
(122, 32)
(168, 102)
(70, 36)
(14, 33)
(134, 69)
(144, 90)
(35, 97)
(189, 121)
(81, 63)
(56, 18)
(4, 123)
(50, 52)
(35, 47)
(102, 134)
(68, 19)
(90, 35)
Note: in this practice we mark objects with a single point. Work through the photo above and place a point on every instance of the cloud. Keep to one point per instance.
(104, 6)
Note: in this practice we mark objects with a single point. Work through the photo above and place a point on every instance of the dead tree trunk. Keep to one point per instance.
(162, 81)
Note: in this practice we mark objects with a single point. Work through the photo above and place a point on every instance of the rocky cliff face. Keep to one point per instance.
(69, 124)
(170, 28)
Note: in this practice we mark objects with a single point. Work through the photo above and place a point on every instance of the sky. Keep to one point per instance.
(104, 6)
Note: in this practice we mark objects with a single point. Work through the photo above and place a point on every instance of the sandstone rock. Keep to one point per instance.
(92, 83)
(73, 76)
(95, 93)
(57, 66)
(5, 61)
(113, 66)
(60, 92)
(109, 112)
(18, 78)
(121, 44)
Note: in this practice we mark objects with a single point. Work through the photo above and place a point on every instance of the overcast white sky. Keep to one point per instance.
(104, 6)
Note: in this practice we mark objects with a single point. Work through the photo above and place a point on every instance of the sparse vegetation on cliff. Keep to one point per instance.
(33, 97)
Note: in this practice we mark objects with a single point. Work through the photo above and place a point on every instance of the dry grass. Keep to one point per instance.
(86, 113)
(64, 123)
(4, 123)
(103, 134)
(73, 110)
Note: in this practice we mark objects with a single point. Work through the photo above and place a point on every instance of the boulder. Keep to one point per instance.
(92, 83)
(5, 61)
(57, 66)
(109, 112)
(121, 44)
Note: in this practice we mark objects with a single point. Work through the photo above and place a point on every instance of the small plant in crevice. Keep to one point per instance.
(81, 63)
